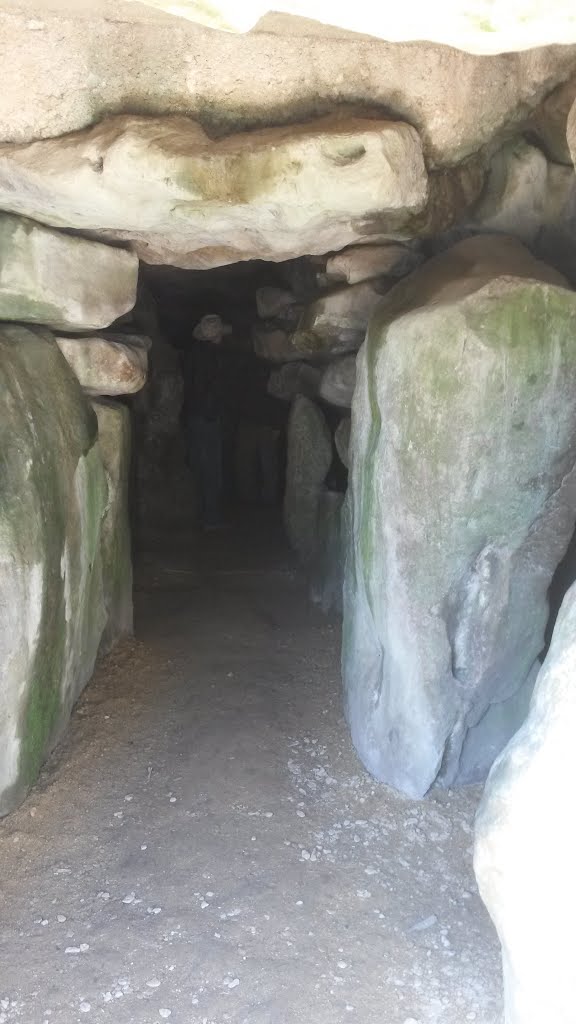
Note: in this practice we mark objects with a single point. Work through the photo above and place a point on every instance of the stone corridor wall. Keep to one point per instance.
(65, 559)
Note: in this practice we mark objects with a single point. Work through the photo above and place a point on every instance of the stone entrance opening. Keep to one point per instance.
(286, 321)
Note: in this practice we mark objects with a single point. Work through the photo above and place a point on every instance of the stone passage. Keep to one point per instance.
(462, 501)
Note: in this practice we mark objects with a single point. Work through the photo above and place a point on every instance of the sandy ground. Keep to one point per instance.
(205, 847)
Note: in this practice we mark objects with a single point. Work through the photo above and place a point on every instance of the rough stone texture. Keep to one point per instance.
(71, 284)
(342, 440)
(528, 197)
(294, 379)
(336, 323)
(77, 69)
(114, 441)
(525, 845)
(308, 460)
(365, 262)
(338, 382)
(52, 502)
(549, 121)
(571, 132)
(112, 365)
(274, 344)
(182, 198)
(327, 568)
(463, 498)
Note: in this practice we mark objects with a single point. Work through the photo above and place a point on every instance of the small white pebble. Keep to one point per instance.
(128, 798)
(129, 898)
(342, 965)
(209, 895)
(203, 905)
(232, 982)
(85, 1007)
(61, 918)
(153, 983)
(172, 799)
(300, 814)
(144, 846)
(103, 895)
(84, 947)
(165, 1013)
(299, 903)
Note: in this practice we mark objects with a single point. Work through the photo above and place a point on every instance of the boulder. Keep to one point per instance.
(571, 132)
(463, 499)
(114, 442)
(112, 365)
(294, 379)
(525, 846)
(526, 196)
(52, 504)
(338, 382)
(342, 440)
(182, 198)
(64, 282)
(309, 457)
(336, 323)
(274, 344)
(365, 262)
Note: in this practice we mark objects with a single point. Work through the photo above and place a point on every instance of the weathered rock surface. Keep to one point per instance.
(463, 498)
(365, 262)
(71, 284)
(52, 502)
(327, 566)
(338, 382)
(294, 379)
(114, 442)
(342, 440)
(527, 196)
(571, 132)
(308, 460)
(549, 121)
(94, 63)
(179, 197)
(525, 845)
(336, 323)
(112, 365)
(274, 344)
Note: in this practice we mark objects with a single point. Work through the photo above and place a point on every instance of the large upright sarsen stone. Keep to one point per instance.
(462, 501)
(525, 846)
(53, 498)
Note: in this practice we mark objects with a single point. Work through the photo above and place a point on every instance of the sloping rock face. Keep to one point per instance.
(462, 503)
(114, 441)
(337, 322)
(525, 845)
(181, 198)
(71, 284)
(113, 365)
(52, 502)
(365, 262)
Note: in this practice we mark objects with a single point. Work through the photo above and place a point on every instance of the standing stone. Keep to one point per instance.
(549, 121)
(52, 502)
(61, 281)
(112, 365)
(463, 500)
(338, 382)
(365, 262)
(525, 847)
(327, 567)
(114, 441)
(308, 462)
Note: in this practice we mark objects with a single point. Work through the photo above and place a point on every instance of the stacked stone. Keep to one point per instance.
(65, 565)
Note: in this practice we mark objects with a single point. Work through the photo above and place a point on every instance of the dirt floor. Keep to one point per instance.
(205, 847)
